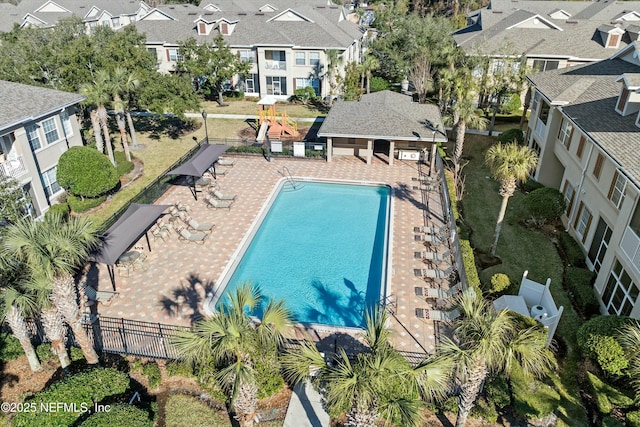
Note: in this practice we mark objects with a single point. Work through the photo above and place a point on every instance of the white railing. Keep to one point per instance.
(275, 65)
(13, 168)
(630, 245)
(541, 129)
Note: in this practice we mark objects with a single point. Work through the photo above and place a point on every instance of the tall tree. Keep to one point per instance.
(122, 84)
(231, 340)
(211, 65)
(485, 341)
(99, 94)
(420, 74)
(367, 67)
(52, 250)
(334, 62)
(379, 383)
(350, 83)
(509, 164)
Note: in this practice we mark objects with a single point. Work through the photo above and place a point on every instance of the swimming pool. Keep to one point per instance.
(322, 248)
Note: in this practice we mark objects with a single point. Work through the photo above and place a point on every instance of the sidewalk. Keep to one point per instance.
(305, 408)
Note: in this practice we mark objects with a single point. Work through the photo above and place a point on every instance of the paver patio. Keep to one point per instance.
(178, 275)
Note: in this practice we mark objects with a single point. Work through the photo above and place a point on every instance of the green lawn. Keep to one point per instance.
(522, 249)
(251, 108)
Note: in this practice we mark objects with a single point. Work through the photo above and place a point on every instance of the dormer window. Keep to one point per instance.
(629, 99)
(224, 28)
(613, 40)
(202, 29)
(622, 100)
(611, 36)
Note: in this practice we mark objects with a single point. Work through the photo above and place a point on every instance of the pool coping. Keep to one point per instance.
(227, 272)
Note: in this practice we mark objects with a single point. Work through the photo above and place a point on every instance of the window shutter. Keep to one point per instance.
(583, 140)
(573, 196)
(294, 84)
(168, 55)
(568, 144)
(597, 168)
(586, 229)
(613, 185)
(575, 223)
(561, 127)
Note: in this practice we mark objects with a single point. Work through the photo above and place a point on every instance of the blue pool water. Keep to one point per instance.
(321, 248)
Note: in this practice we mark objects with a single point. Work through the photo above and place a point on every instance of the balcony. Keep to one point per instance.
(270, 64)
(630, 246)
(13, 168)
(541, 129)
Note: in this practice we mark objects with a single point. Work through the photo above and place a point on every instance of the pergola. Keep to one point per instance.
(133, 223)
(204, 159)
(353, 127)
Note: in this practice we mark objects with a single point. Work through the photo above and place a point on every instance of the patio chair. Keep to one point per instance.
(436, 231)
(426, 179)
(225, 162)
(434, 257)
(186, 236)
(433, 240)
(218, 204)
(94, 296)
(437, 315)
(427, 292)
(181, 207)
(195, 226)
(160, 232)
(216, 193)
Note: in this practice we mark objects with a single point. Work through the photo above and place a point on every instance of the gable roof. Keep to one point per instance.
(22, 103)
(383, 115)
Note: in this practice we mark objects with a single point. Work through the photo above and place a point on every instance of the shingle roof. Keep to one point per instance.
(576, 40)
(593, 109)
(23, 102)
(383, 115)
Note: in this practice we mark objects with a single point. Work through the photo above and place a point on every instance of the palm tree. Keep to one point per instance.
(509, 163)
(52, 250)
(370, 64)
(379, 383)
(232, 340)
(334, 61)
(98, 93)
(464, 113)
(16, 301)
(629, 338)
(122, 85)
(485, 341)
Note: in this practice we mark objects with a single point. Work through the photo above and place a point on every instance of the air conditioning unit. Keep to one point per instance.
(409, 155)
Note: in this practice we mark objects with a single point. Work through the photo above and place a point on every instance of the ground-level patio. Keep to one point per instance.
(177, 275)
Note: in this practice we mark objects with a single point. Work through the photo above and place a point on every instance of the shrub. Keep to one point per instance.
(268, 378)
(45, 352)
(545, 203)
(572, 250)
(511, 105)
(530, 185)
(633, 419)
(610, 421)
(85, 172)
(79, 392)
(304, 95)
(496, 390)
(484, 410)
(152, 372)
(513, 134)
(124, 166)
(76, 354)
(78, 205)
(469, 261)
(596, 340)
(119, 415)
(61, 209)
(10, 348)
(499, 282)
(579, 284)
(180, 368)
(377, 84)
(187, 411)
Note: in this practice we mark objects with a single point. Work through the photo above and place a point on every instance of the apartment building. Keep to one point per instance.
(287, 42)
(585, 125)
(37, 125)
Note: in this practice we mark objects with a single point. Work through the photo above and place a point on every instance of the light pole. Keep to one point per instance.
(433, 149)
(206, 131)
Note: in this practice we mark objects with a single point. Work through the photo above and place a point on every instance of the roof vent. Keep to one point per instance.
(208, 13)
(172, 7)
(82, 7)
(259, 14)
(192, 13)
(333, 7)
(571, 22)
(319, 7)
(242, 13)
(497, 11)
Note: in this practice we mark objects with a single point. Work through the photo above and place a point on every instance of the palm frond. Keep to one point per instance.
(299, 364)
(376, 332)
(403, 411)
(276, 320)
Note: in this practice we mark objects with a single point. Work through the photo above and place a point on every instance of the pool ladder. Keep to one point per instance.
(292, 183)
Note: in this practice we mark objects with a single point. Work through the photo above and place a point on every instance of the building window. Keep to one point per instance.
(565, 133)
(175, 56)
(498, 66)
(597, 168)
(224, 29)
(33, 137)
(276, 85)
(534, 102)
(622, 101)
(247, 56)
(251, 84)
(543, 65)
(580, 150)
(25, 202)
(616, 191)
(50, 183)
(583, 222)
(300, 58)
(614, 39)
(314, 83)
(116, 22)
(66, 123)
(620, 293)
(202, 28)
(93, 25)
(569, 194)
(535, 147)
(599, 244)
(314, 58)
(50, 130)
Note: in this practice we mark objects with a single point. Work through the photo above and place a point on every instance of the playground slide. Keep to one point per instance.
(262, 131)
(288, 129)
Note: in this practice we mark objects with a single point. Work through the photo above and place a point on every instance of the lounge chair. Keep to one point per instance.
(225, 162)
(94, 296)
(437, 231)
(437, 315)
(218, 204)
(216, 193)
(186, 236)
(434, 257)
(195, 226)
(160, 232)
(437, 292)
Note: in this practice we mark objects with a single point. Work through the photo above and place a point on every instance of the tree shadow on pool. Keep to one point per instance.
(337, 307)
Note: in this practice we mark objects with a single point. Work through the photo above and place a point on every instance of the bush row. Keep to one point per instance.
(579, 283)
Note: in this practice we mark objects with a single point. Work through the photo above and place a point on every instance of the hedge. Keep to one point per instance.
(79, 393)
(119, 415)
(152, 372)
(499, 282)
(545, 203)
(596, 340)
(61, 209)
(78, 205)
(580, 285)
(85, 172)
(469, 261)
(511, 135)
(530, 185)
(572, 250)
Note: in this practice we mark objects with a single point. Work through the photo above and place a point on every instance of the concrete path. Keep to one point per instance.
(305, 408)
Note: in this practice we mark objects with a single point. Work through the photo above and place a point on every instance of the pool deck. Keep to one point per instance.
(177, 275)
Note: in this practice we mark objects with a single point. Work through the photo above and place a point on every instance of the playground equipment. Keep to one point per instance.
(268, 120)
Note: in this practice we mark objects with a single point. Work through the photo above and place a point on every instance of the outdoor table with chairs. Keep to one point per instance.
(131, 260)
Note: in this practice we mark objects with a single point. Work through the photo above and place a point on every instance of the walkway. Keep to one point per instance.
(305, 408)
